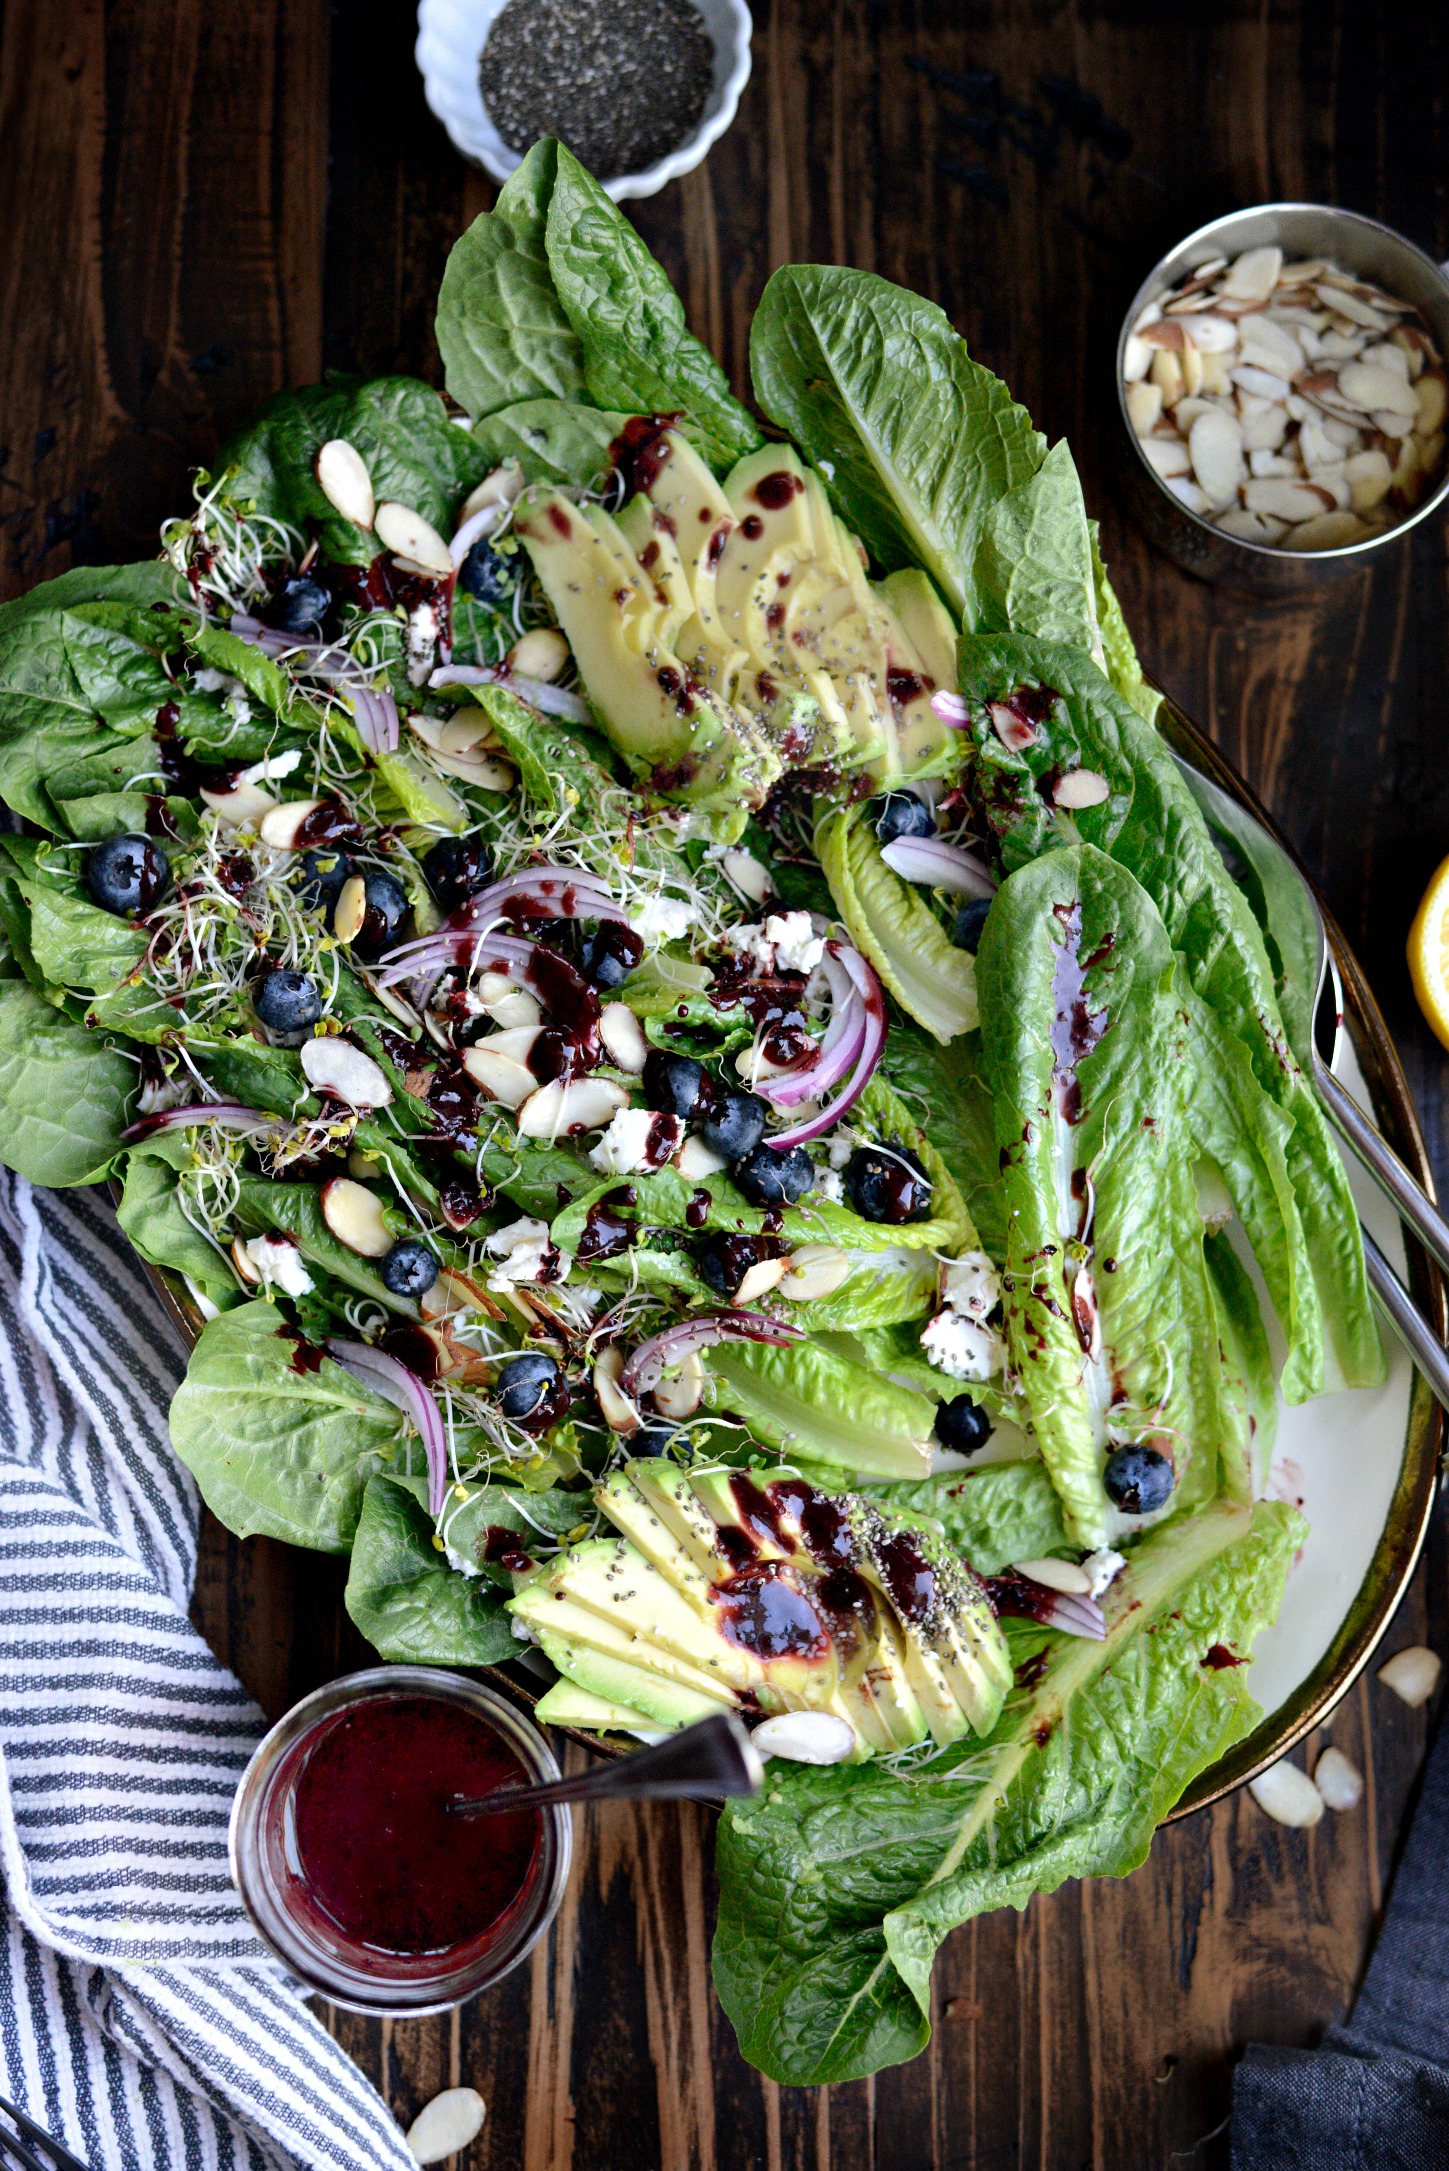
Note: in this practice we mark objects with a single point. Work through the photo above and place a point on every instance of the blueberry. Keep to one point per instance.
(387, 908)
(610, 953)
(287, 1002)
(457, 868)
(887, 1186)
(524, 1382)
(673, 1083)
(127, 875)
(966, 932)
(901, 814)
(409, 1269)
(733, 1124)
(653, 1439)
(962, 1425)
(299, 605)
(1139, 1481)
(768, 1178)
(323, 874)
(487, 575)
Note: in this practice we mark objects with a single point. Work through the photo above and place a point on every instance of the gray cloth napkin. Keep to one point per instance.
(1375, 2095)
(141, 2021)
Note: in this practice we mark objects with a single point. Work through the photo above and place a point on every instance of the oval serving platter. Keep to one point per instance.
(1363, 1464)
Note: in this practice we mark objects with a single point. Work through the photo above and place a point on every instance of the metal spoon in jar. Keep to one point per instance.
(703, 1762)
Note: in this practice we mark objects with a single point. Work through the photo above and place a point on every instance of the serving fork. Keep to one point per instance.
(1287, 910)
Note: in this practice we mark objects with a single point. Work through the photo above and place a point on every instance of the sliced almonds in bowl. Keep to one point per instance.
(1290, 404)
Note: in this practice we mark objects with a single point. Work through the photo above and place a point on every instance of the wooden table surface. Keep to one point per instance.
(207, 199)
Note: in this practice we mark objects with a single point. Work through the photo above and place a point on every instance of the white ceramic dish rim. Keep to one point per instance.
(451, 35)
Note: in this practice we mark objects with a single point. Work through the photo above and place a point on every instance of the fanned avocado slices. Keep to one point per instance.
(758, 1589)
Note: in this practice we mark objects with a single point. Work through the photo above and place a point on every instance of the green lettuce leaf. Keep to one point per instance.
(1008, 1511)
(815, 1405)
(281, 1441)
(1120, 654)
(414, 453)
(412, 1607)
(891, 923)
(553, 441)
(1085, 1050)
(837, 1886)
(150, 1212)
(947, 1087)
(1251, 1385)
(1034, 569)
(502, 331)
(65, 1091)
(916, 441)
(1152, 825)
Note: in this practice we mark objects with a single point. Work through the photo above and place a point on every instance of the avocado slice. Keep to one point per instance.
(668, 1492)
(567, 1704)
(670, 727)
(929, 626)
(642, 1688)
(629, 1508)
(953, 1641)
(558, 1622)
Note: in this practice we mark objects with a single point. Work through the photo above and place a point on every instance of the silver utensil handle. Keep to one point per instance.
(1407, 1321)
(1412, 1204)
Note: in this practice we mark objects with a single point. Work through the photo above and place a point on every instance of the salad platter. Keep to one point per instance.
(650, 989)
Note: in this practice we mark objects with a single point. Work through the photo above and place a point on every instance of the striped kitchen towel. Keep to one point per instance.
(141, 2021)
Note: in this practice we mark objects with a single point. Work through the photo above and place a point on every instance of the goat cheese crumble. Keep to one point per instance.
(961, 1346)
(625, 1148)
(662, 919)
(526, 1254)
(279, 1265)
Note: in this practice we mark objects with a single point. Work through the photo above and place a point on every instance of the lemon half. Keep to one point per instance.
(1429, 952)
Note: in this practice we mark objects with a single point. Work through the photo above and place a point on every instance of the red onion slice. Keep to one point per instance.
(375, 713)
(324, 659)
(230, 1115)
(942, 866)
(555, 893)
(646, 1367)
(406, 1391)
(868, 1054)
(837, 1052)
(1021, 1599)
(552, 700)
(953, 709)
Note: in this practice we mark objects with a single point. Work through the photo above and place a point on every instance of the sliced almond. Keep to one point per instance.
(466, 731)
(1246, 527)
(1056, 1575)
(1253, 276)
(695, 1160)
(1430, 402)
(244, 808)
(1169, 455)
(344, 481)
(1339, 1782)
(1261, 462)
(1371, 389)
(618, 1412)
(1167, 336)
(1287, 1795)
(1136, 359)
(514, 1007)
(1166, 374)
(1390, 423)
(623, 1037)
(245, 1264)
(1284, 500)
(1187, 493)
(485, 771)
(1215, 377)
(284, 825)
(1186, 412)
(813, 1271)
(1214, 335)
(680, 1396)
(354, 1215)
(1190, 362)
(542, 654)
(1144, 406)
(1303, 272)
(1215, 447)
(1388, 354)
(559, 1110)
(1081, 788)
(350, 910)
(339, 1067)
(406, 533)
(1407, 476)
(1271, 346)
(1412, 1674)
(759, 1280)
(1330, 531)
(1368, 475)
(1265, 383)
(501, 1076)
(1148, 314)
(1417, 350)
(446, 2125)
(501, 486)
(453, 1294)
(1352, 306)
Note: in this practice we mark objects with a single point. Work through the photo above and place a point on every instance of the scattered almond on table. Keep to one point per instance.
(1290, 404)
(1412, 1674)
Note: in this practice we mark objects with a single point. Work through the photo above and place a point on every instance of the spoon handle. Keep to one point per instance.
(1412, 1204)
(1407, 1321)
(703, 1762)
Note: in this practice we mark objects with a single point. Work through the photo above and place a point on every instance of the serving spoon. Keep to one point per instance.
(1288, 911)
(712, 1758)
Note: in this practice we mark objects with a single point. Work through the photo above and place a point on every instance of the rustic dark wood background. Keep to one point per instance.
(202, 200)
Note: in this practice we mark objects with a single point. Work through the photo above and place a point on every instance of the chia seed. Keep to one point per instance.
(621, 82)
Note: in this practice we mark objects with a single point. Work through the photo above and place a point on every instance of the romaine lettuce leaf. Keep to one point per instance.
(891, 923)
(413, 1608)
(553, 441)
(837, 1886)
(816, 1406)
(1251, 1388)
(1109, 1314)
(916, 441)
(502, 331)
(1152, 825)
(947, 1086)
(1008, 1511)
(1034, 569)
(1121, 661)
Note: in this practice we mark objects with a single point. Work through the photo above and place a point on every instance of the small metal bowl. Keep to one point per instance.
(1302, 231)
